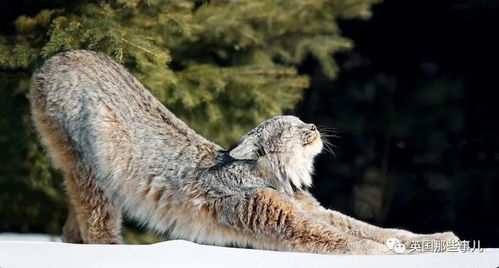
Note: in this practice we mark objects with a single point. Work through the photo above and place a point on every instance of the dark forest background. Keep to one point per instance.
(413, 102)
(415, 105)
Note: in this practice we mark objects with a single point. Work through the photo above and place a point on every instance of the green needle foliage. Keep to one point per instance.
(222, 66)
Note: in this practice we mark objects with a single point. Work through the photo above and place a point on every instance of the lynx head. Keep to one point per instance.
(283, 149)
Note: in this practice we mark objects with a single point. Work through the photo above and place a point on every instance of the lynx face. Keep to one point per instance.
(283, 146)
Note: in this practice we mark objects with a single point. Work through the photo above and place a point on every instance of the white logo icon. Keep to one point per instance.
(390, 243)
(395, 245)
(399, 248)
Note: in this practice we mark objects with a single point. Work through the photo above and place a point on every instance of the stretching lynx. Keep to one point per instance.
(121, 149)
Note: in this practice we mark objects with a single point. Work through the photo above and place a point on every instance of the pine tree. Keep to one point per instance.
(222, 66)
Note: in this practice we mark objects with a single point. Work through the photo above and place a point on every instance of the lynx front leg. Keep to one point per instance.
(382, 235)
(362, 229)
(273, 222)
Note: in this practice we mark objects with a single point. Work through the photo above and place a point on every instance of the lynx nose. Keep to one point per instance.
(312, 127)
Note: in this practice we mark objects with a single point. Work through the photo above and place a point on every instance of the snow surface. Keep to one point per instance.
(40, 251)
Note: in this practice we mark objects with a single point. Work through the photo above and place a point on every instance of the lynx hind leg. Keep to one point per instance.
(71, 231)
(61, 154)
(91, 212)
(99, 219)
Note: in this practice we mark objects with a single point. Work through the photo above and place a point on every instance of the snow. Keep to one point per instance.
(41, 251)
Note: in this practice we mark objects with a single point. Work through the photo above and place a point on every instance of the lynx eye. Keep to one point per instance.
(261, 151)
(310, 128)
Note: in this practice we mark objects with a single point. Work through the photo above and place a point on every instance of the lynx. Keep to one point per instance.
(120, 150)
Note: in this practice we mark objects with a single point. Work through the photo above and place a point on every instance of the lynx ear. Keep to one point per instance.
(247, 149)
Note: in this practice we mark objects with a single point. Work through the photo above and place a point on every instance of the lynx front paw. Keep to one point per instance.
(447, 236)
(416, 244)
(367, 247)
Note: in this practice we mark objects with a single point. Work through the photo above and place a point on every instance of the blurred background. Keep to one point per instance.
(407, 85)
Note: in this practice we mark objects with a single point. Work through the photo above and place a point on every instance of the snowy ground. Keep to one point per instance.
(42, 251)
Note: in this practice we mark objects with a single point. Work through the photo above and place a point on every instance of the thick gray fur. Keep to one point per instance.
(132, 153)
